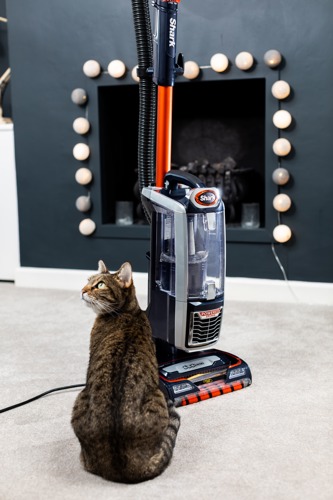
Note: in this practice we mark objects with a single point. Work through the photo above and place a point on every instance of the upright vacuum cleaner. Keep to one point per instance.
(187, 252)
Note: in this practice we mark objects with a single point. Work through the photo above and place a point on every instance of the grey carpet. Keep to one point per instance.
(272, 440)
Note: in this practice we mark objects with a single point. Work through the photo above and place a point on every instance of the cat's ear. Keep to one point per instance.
(124, 275)
(102, 267)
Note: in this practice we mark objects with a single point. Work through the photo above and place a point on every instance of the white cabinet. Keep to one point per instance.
(9, 232)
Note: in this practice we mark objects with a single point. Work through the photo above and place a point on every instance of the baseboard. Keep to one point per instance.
(243, 289)
(65, 279)
(264, 290)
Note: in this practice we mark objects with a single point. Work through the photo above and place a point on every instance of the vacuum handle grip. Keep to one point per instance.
(174, 177)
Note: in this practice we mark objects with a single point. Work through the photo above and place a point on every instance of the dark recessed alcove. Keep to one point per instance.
(212, 121)
(216, 119)
(118, 108)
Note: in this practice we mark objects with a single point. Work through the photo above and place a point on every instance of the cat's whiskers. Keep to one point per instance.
(100, 305)
(104, 306)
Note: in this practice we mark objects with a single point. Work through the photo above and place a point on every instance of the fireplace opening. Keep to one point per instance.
(118, 109)
(218, 134)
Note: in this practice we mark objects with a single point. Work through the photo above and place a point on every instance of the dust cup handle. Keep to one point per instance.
(174, 177)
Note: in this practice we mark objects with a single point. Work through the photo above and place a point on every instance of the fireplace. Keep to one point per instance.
(214, 122)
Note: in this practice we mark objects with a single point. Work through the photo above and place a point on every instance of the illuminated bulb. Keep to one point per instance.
(280, 89)
(244, 61)
(219, 62)
(83, 176)
(91, 68)
(272, 58)
(116, 68)
(81, 125)
(282, 118)
(281, 202)
(282, 233)
(81, 151)
(280, 176)
(191, 70)
(83, 203)
(281, 147)
(79, 96)
(134, 74)
(87, 227)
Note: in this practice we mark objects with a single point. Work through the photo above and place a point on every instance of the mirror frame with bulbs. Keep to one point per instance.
(276, 157)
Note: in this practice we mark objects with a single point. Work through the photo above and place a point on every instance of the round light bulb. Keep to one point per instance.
(87, 227)
(280, 176)
(281, 147)
(282, 119)
(281, 202)
(83, 203)
(83, 176)
(219, 62)
(81, 151)
(81, 125)
(91, 68)
(116, 68)
(134, 73)
(282, 233)
(281, 89)
(244, 61)
(191, 70)
(272, 58)
(79, 97)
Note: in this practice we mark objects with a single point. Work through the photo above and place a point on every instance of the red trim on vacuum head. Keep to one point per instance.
(212, 390)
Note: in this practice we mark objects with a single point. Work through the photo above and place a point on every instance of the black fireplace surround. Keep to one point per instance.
(219, 123)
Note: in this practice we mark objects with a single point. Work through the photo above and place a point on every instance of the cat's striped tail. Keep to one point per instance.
(160, 461)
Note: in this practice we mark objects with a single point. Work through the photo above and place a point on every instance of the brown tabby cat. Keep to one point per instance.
(126, 428)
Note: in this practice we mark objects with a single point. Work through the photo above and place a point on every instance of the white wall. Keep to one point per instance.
(9, 233)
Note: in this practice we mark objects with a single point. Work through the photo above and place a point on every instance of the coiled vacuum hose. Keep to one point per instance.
(147, 96)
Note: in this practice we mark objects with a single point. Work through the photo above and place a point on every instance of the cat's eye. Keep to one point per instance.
(101, 285)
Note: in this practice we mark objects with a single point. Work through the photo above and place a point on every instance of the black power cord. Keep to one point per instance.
(40, 396)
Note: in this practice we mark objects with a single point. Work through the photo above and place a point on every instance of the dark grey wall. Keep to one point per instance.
(48, 44)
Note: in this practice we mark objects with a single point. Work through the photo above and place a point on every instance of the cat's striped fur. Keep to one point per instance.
(126, 428)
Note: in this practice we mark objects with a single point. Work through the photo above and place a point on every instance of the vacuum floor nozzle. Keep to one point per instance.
(190, 378)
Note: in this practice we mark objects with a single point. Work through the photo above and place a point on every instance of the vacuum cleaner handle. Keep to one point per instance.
(174, 177)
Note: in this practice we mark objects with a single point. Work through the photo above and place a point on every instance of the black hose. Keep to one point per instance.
(147, 95)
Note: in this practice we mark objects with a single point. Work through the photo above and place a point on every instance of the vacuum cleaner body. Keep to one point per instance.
(186, 263)
(187, 249)
(186, 289)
